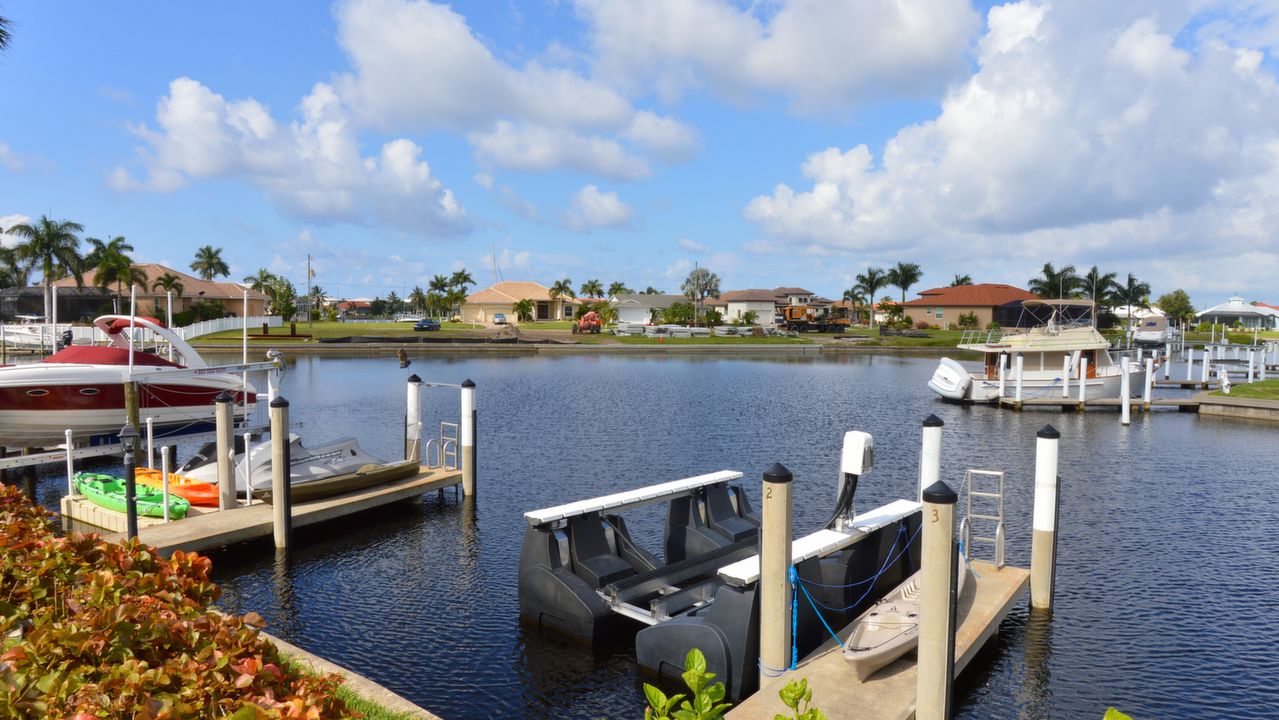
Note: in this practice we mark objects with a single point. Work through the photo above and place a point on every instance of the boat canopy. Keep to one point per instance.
(98, 355)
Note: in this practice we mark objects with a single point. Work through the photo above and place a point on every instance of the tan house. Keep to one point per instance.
(153, 301)
(943, 306)
(482, 305)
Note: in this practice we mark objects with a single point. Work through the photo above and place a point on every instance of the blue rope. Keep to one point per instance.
(793, 576)
(770, 671)
(901, 530)
(819, 616)
(876, 576)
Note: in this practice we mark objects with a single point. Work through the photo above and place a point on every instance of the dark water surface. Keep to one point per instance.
(1166, 602)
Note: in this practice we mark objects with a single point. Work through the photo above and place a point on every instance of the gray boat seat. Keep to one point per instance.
(722, 517)
(593, 559)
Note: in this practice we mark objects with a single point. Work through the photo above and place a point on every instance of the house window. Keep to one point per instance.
(568, 312)
(938, 314)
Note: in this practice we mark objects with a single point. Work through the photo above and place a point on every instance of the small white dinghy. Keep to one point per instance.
(890, 628)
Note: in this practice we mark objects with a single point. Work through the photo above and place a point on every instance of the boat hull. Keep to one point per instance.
(365, 477)
(108, 491)
(954, 383)
(193, 491)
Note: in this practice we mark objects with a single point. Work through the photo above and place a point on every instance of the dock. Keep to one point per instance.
(1136, 405)
(212, 529)
(889, 694)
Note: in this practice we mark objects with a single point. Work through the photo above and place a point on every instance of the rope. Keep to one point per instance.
(881, 571)
(793, 576)
(819, 617)
(901, 530)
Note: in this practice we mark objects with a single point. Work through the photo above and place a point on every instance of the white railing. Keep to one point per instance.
(228, 323)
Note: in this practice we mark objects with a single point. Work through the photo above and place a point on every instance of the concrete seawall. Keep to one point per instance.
(1237, 407)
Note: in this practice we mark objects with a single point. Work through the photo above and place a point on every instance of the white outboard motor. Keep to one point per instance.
(856, 460)
(951, 380)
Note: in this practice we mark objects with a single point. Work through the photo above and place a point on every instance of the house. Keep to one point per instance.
(482, 305)
(943, 306)
(355, 308)
(153, 300)
(763, 303)
(74, 304)
(1237, 312)
(636, 308)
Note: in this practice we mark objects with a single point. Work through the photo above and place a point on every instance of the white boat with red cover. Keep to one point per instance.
(81, 387)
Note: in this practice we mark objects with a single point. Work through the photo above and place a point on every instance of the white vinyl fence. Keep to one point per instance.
(224, 324)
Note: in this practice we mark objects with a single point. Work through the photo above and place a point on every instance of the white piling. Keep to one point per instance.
(1206, 368)
(1003, 363)
(413, 420)
(1083, 379)
(1252, 365)
(1190, 364)
(1150, 383)
(775, 536)
(930, 454)
(1168, 360)
(1018, 366)
(164, 478)
(1043, 543)
(70, 464)
(1065, 376)
(1125, 392)
(938, 574)
(150, 442)
(248, 469)
(468, 433)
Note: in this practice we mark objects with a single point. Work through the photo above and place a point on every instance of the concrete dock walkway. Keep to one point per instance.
(890, 693)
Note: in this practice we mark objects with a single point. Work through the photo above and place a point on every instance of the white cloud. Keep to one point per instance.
(668, 139)
(1086, 133)
(311, 168)
(484, 180)
(537, 148)
(512, 201)
(8, 221)
(10, 160)
(691, 245)
(823, 55)
(592, 209)
(507, 260)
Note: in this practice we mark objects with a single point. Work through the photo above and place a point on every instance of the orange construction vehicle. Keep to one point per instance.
(805, 318)
(588, 323)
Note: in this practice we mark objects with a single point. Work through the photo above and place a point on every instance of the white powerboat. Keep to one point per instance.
(81, 388)
(1155, 331)
(1045, 351)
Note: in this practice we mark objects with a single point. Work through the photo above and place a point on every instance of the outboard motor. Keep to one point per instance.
(66, 339)
(857, 459)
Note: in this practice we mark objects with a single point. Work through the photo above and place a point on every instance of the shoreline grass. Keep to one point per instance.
(1266, 390)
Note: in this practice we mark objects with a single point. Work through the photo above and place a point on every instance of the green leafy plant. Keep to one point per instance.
(798, 696)
(703, 703)
(968, 321)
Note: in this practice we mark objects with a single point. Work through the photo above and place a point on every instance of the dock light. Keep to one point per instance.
(129, 441)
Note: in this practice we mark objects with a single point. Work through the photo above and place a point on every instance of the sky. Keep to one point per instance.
(776, 143)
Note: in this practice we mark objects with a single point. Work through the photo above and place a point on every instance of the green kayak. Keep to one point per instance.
(108, 491)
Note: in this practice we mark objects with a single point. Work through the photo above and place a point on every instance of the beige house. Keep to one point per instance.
(153, 301)
(944, 306)
(482, 305)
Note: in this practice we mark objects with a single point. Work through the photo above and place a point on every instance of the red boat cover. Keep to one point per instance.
(123, 324)
(94, 355)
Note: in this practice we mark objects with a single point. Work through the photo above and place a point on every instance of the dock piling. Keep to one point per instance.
(248, 467)
(1065, 376)
(1019, 363)
(1252, 365)
(938, 573)
(1083, 381)
(1043, 543)
(413, 420)
(775, 536)
(281, 500)
(468, 421)
(1003, 372)
(1168, 360)
(930, 453)
(70, 464)
(1190, 363)
(131, 404)
(164, 478)
(1148, 389)
(1206, 369)
(1125, 392)
(225, 442)
(150, 443)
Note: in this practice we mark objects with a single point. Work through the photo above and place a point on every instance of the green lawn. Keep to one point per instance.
(1268, 390)
(936, 338)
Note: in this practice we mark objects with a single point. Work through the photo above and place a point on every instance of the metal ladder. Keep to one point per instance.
(988, 477)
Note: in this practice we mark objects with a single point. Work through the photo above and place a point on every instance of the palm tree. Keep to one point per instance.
(650, 290)
(855, 300)
(260, 281)
(961, 280)
(903, 276)
(1133, 293)
(209, 264)
(592, 288)
(4, 34)
(55, 247)
(438, 288)
(457, 284)
(105, 250)
(170, 282)
(117, 269)
(1099, 287)
(869, 283)
(318, 296)
(12, 272)
(1063, 283)
(523, 310)
(618, 288)
(417, 299)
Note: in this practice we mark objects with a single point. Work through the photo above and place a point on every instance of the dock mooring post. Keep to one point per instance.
(1148, 389)
(1043, 543)
(775, 536)
(1065, 376)
(938, 572)
(224, 441)
(1125, 392)
(1019, 365)
(930, 453)
(1083, 382)
(468, 437)
(1003, 372)
(281, 496)
(1252, 365)
(131, 404)
(413, 420)
(1206, 369)
(70, 463)
(1167, 360)
(1190, 363)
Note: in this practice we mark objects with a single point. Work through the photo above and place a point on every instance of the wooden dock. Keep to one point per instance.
(890, 693)
(1136, 405)
(211, 529)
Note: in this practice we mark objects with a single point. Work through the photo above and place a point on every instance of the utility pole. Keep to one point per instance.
(310, 291)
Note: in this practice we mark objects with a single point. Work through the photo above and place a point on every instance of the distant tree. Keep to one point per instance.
(712, 317)
(619, 288)
(1177, 306)
(377, 306)
(208, 263)
(318, 297)
(106, 250)
(523, 310)
(750, 317)
(170, 283)
(1133, 293)
(417, 299)
(650, 290)
(393, 303)
(561, 288)
(438, 292)
(903, 276)
(461, 279)
(1052, 283)
(961, 280)
(12, 272)
(853, 296)
(1099, 287)
(54, 247)
(869, 283)
(117, 269)
(700, 284)
(592, 288)
(679, 314)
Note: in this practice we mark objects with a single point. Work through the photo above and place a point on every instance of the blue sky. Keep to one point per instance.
(778, 143)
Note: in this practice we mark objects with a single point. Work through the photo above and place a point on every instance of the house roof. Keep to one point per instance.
(510, 291)
(1237, 306)
(980, 295)
(750, 295)
(191, 286)
(639, 300)
(791, 291)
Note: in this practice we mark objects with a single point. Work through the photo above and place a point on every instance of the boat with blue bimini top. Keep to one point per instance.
(1064, 339)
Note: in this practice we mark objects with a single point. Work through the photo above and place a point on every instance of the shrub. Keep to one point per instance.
(968, 321)
(95, 629)
(952, 326)
(922, 325)
(992, 326)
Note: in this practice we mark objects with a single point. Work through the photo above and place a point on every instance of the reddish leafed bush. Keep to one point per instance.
(93, 629)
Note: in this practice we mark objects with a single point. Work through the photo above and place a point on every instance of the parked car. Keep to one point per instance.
(499, 318)
(426, 324)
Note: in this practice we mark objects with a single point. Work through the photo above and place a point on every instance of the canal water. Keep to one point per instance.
(1165, 604)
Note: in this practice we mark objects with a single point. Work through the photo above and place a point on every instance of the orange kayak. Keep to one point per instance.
(195, 492)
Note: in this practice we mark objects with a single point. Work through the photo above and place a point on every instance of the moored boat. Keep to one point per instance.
(108, 491)
(196, 492)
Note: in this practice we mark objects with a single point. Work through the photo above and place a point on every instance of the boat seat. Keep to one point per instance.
(722, 517)
(686, 535)
(593, 558)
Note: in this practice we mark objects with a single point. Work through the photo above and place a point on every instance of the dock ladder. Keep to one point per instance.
(990, 492)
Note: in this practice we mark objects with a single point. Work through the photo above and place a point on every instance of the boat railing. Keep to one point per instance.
(981, 337)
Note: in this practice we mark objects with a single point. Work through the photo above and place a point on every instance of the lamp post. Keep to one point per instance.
(129, 441)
